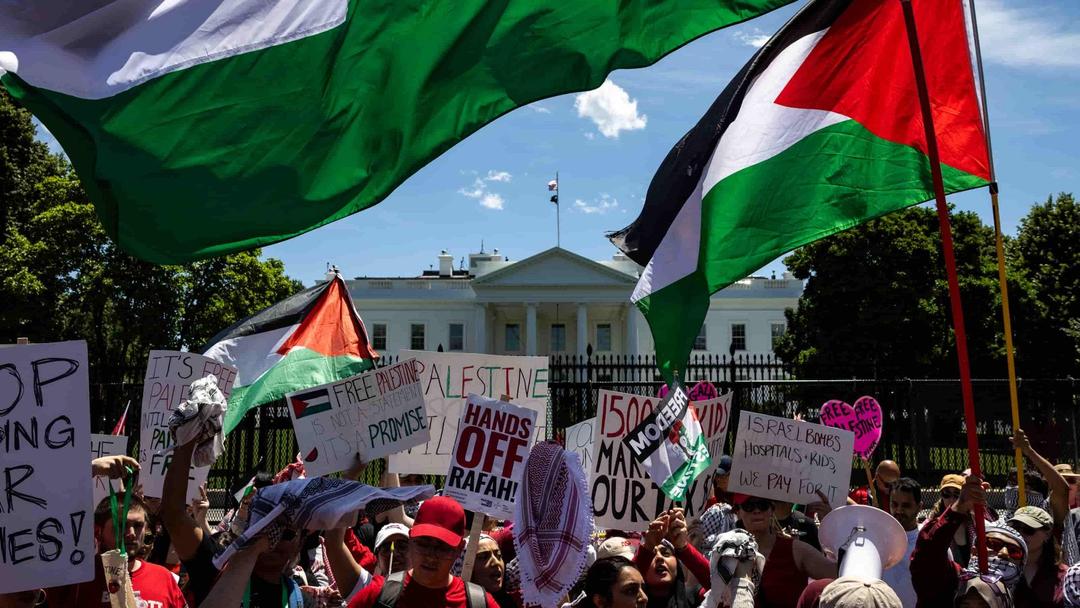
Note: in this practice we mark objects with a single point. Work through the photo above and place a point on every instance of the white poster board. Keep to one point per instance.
(46, 515)
(169, 375)
(579, 440)
(624, 497)
(106, 445)
(789, 460)
(373, 414)
(448, 378)
(488, 460)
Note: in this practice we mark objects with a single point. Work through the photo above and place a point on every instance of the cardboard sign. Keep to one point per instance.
(46, 515)
(169, 375)
(624, 496)
(790, 460)
(106, 445)
(579, 440)
(448, 378)
(864, 419)
(373, 414)
(494, 438)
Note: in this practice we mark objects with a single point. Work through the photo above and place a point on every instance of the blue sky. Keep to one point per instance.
(606, 145)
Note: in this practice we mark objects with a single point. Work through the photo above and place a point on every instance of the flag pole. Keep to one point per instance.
(950, 270)
(558, 213)
(1010, 359)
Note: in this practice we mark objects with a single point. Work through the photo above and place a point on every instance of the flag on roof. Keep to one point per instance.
(819, 132)
(311, 338)
(200, 128)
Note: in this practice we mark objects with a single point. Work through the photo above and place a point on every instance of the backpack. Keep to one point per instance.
(475, 596)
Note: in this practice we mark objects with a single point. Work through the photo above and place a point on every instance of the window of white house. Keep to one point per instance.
(416, 336)
(512, 341)
(457, 337)
(699, 342)
(778, 330)
(603, 337)
(378, 336)
(558, 337)
(738, 335)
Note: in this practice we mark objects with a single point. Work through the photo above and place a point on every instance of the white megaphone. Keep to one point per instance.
(867, 540)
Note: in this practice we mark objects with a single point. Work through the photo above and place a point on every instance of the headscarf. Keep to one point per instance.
(989, 587)
(1005, 570)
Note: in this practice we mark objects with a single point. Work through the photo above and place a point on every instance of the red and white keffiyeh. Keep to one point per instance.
(552, 524)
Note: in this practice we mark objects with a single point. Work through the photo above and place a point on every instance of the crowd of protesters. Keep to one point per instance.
(742, 551)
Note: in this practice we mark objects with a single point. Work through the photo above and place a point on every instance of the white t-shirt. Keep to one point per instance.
(899, 576)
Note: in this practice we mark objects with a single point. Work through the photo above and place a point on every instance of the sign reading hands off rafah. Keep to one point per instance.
(447, 379)
(46, 515)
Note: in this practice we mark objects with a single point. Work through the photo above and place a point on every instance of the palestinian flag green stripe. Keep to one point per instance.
(676, 486)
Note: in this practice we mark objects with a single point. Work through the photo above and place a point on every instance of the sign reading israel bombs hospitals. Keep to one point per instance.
(46, 517)
(489, 456)
(624, 496)
(375, 414)
(448, 378)
(790, 460)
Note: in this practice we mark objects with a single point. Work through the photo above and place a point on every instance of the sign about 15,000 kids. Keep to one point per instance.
(46, 514)
(167, 384)
(790, 460)
(373, 414)
(448, 379)
(624, 497)
(493, 441)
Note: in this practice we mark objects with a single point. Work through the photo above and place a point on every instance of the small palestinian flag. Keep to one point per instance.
(307, 404)
(820, 132)
(308, 339)
(670, 445)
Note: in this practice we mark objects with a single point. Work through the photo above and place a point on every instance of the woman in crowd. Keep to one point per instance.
(488, 571)
(614, 582)
(667, 544)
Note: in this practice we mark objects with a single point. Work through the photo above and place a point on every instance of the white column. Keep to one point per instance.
(631, 329)
(530, 329)
(481, 345)
(582, 328)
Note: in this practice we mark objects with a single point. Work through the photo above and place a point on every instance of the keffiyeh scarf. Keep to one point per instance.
(552, 523)
(1072, 587)
(199, 418)
(1004, 570)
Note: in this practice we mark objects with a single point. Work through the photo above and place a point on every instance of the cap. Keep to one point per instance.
(1033, 517)
(952, 481)
(441, 518)
(1065, 470)
(848, 592)
(723, 465)
(738, 499)
(617, 545)
(388, 531)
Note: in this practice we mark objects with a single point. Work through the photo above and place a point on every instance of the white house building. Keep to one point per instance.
(553, 302)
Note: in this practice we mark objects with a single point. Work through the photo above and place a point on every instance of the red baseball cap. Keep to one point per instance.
(441, 518)
(738, 499)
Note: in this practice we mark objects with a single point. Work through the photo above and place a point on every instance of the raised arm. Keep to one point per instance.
(230, 586)
(679, 537)
(932, 572)
(346, 571)
(1059, 488)
(185, 532)
(811, 561)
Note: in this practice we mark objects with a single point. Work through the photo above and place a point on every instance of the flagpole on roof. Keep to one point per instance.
(950, 271)
(1010, 360)
(558, 214)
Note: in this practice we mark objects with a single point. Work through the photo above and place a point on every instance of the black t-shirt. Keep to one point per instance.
(805, 527)
(202, 576)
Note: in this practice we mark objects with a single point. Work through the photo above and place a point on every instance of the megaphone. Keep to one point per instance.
(867, 540)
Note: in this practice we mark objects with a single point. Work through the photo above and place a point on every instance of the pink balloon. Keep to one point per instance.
(864, 419)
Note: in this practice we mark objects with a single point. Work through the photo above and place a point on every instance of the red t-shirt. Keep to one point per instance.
(154, 586)
(419, 595)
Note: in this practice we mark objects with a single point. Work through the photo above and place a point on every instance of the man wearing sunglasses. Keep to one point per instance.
(885, 476)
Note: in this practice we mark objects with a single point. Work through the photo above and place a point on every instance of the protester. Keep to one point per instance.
(614, 582)
(1070, 538)
(788, 562)
(488, 570)
(720, 482)
(1057, 501)
(960, 546)
(849, 592)
(667, 544)
(735, 567)
(905, 502)
(796, 523)
(1044, 573)
(885, 475)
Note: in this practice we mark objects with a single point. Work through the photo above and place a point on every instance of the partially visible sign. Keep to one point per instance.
(864, 419)
(373, 414)
(489, 455)
(579, 440)
(106, 445)
(46, 517)
(790, 460)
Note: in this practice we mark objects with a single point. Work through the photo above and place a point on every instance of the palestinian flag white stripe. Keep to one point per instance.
(252, 355)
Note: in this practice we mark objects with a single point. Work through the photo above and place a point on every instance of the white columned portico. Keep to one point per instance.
(582, 328)
(530, 329)
(481, 329)
(631, 329)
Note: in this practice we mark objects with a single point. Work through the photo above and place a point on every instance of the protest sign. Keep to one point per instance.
(373, 414)
(579, 440)
(106, 445)
(670, 445)
(46, 530)
(624, 496)
(489, 454)
(790, 460)
(864, 419)
(448, 378)
(169, 375)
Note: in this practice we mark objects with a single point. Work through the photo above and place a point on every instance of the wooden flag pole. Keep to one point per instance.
(950, 271)
(870, 483)
(474, 534)
(1010, 360)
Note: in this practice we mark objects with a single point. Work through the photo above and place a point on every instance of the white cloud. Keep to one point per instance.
(474, 191)
(498, 176)
(480, 190)
(539, 109)
(755, 37)
(492, 201)
(1027, 36)
(589, 135)
(611, 108)
(600, 206)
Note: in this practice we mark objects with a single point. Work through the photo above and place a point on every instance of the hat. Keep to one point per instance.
(952, 481)
(441, 518)
(1065, 470)
(989, 587)
(390, 530)
(848, 592)
(723, 465)
(1033, 517)
(617, 546)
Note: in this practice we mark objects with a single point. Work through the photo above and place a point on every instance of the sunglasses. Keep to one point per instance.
(756, 504)
(950, 494)
(1024, 529)
(995, 545)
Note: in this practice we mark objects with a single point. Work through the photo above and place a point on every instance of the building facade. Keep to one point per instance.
(553, 302)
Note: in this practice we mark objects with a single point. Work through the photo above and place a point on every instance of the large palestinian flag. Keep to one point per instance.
(821, 131)
(203, 127)
(310, 338)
